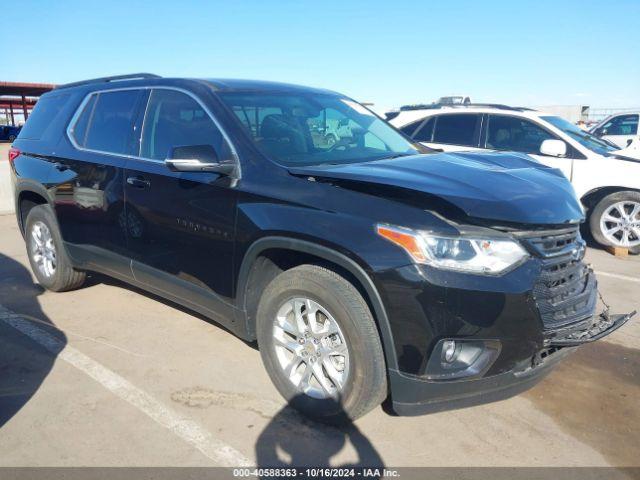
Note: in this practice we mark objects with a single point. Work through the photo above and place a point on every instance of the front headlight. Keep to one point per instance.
(463, 254)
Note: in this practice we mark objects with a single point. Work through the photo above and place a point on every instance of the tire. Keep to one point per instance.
(12, 138)
(52, 269)
(599, 215)
(363, 374)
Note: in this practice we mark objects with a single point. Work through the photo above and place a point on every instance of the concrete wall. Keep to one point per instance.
(573, 113)
(6, 192)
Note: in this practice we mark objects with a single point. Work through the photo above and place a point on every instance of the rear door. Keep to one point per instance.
(88, 180)
(451, 132)
(180, 225)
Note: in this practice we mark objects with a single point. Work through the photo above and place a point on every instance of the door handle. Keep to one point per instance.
(138, 182)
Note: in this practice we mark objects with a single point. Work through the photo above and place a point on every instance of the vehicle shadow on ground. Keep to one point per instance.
(24, 364)
(292, 440)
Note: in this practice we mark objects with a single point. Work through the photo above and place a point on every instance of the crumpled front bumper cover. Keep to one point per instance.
(414, 396)
(594, 329)
(417, 396)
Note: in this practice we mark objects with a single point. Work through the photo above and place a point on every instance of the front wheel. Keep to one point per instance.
(320, 345)
(615, 221)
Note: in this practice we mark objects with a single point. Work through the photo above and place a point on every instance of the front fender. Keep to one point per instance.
(332, 256)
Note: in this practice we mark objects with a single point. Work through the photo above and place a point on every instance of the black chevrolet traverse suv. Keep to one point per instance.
(364, 267)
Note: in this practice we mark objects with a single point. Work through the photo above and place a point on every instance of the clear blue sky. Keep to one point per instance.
(388, 52)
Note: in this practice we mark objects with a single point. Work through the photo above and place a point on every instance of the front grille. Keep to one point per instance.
(565, 292)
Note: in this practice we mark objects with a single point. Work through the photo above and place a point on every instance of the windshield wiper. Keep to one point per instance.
(395, 155)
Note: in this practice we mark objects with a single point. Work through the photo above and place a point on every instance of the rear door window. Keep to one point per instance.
(106, 122)
(458, 129)
(79, 130)
(45, 115)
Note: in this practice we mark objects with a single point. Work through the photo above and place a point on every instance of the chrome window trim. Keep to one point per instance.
(85, 100)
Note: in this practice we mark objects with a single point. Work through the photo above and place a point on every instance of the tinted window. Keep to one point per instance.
(307, 128)
(516, 134)
(411, 128)
(425, 133)
(584, 138)
(621, 125)
(174, 119)
(79, 130)
(111, 122)
(45, 114)
(457, 129)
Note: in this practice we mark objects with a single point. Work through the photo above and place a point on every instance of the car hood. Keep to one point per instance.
(507, 187)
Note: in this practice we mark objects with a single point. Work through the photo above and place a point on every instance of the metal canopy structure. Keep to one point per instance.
(20, 98)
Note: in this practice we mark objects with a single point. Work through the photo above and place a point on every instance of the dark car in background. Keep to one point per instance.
(8, 133)
(364, 268)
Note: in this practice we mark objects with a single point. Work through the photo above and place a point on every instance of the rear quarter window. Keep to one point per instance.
(411, 127)
(45, 115)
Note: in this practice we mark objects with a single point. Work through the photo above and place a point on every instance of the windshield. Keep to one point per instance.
(584, 138)
(312, 129)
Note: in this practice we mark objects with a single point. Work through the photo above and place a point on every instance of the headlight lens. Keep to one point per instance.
(464, 254)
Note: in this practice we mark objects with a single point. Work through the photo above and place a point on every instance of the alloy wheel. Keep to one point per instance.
(311, 349)
(620, 224)
(43, 250)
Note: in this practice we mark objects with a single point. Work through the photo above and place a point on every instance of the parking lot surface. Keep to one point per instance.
(109, 375)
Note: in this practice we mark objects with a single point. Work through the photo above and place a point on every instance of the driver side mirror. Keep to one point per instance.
(553, 148)
(198, 158)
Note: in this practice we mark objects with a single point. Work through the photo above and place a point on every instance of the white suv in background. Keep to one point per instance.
(608, 185)
(621, 128)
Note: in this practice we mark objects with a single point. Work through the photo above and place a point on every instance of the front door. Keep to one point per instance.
(180, 225)
(517, 134)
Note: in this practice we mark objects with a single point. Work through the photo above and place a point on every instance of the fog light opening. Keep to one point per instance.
(449, 351)
(461, 358)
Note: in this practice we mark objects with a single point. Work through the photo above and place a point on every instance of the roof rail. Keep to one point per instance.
(115, 78)
(464, 105)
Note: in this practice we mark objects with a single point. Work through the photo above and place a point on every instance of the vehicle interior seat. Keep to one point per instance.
(282, 136)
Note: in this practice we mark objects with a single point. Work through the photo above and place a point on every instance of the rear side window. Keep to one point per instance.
(457, 129)
(411, 128)
(106, 121)
(425, 133)
(79, 131)
(45, 114)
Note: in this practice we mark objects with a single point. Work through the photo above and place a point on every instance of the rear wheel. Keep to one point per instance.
(12, 138)
(320, 344)
(47, 256)
(615, 221)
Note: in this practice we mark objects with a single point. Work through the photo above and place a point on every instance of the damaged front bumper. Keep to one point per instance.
(590, 330)
(416, 396)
